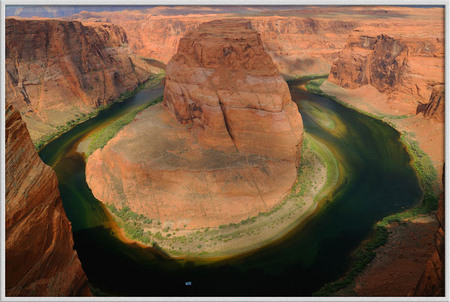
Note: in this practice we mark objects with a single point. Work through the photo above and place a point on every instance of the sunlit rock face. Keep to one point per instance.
(224, 145)
(403, 63)
(57, 70)
(226, 88)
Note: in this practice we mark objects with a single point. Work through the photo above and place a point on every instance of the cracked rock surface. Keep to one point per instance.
(224, 145)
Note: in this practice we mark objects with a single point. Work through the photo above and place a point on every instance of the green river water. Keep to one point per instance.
(378, 181)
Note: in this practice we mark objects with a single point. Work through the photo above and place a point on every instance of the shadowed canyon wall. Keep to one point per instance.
(40, 259)
(58, 70)
(435, 108)
(432, 282)
(224, 146)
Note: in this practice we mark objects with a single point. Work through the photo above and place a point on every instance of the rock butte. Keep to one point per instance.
(40, 259)
(57, 70)
(224, 146)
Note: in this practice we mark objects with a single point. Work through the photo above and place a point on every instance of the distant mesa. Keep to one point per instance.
(224, 145)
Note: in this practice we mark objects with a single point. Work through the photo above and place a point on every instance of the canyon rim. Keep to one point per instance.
(224, 151)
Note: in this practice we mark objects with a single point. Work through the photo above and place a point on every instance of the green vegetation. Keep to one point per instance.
(360, 258)
(209, 241)
(331, 164)
(82, 117)
(100, 138)
(313, 86)
(131, 223)
(305, 78)
(429, 181)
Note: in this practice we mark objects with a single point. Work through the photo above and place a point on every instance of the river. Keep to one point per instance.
(378, 181)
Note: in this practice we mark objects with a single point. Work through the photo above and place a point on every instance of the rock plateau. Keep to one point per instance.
(40, 259)
(224, 146)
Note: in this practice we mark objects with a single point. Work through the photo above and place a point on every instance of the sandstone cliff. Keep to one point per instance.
(224, 146)
(300, 40)
(58, 70)
(297, 45)
(435, 108)
(432, 282)
(227, 89)
(40, 259)
(402, 65)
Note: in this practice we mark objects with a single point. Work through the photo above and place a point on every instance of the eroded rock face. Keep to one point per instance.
(432, 282)
(435, 108)
(402, 64)
(57, 70)
(378, 61)
(226, 88)
(297, 45)
(223, 147)
(40, 259)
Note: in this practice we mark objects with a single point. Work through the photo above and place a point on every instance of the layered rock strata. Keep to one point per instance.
(297, 45)
(224, 146)
(435, 108)
(58, 70)
(40, 259)
(403, 67)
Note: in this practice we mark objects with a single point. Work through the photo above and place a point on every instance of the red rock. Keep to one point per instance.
(297, 45)
(224, 146)
(435, 108)
(57, 70)
(40, 259)
(399, 61)
(226, 88)
(432, 282)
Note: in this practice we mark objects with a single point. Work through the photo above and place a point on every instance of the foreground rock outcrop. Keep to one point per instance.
(435, 108)
(40, 259)
(224, 146)
(58, 70)
(432, 282)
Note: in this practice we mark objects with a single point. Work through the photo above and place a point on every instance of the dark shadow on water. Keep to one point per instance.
(378, 181)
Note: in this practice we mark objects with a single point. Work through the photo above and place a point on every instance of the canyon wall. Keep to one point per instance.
(402, 63)
(40, 259)
(435, 108)
(224, 145)
(432, 282)
(297, 45)
(57, 71)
